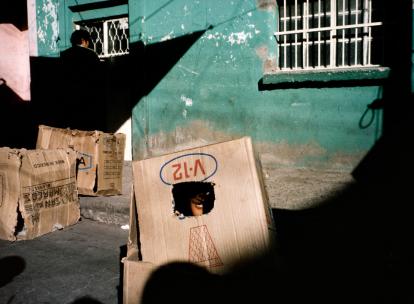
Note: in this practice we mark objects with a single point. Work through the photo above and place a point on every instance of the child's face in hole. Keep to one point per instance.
(197, 204)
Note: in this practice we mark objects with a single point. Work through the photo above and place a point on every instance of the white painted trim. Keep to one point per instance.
(127, 130)
(32, 25)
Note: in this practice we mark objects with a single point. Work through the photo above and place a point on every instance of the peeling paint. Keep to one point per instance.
(188, 101)
(214, 36)
(299, 104)
(239, 38)
(169, 36)
(233, 38)
(49, 26)
(186, 12)
(262, 52)
(188, 70)
(269, 62)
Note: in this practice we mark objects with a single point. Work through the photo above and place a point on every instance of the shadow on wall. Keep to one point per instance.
(16, 124)
(58, 102)
(14, 12)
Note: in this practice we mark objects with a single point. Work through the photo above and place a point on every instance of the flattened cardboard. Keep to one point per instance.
(101, 157)
(239, 226)
(38, 192)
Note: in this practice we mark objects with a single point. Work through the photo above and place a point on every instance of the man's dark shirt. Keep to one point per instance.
(82, 86)
(80, 62)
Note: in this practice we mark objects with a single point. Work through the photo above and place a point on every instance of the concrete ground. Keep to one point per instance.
(352, 245)
(79, 264)
(110, 209)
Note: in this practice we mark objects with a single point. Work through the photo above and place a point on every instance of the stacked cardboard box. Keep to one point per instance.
(37, 192)
(100, 157)
(205, 206)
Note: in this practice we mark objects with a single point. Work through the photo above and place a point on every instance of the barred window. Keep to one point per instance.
(110, 37)
(328, 34)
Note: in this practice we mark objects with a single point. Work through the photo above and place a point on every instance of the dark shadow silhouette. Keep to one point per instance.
(11, 267)
(180, 282)
(14, 12)
(86, 300)
(16, 124)
(152, 62)
(8, 95)
(319, 84)
(96, 5)
(124, 81)
(122, 253)
(55, 101)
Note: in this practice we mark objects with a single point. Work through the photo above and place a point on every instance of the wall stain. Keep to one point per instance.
(266, 4)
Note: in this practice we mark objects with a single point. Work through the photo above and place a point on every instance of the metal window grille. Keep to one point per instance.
(109, 37)
(327, 34)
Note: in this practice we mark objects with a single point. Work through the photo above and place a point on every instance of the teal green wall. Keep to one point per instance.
(215, 85)
(55, 22)
(47, 27)
(212, 92)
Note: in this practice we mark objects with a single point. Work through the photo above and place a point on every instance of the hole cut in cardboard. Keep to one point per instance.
(193, 198)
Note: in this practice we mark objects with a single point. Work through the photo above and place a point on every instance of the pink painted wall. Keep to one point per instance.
(15, 60)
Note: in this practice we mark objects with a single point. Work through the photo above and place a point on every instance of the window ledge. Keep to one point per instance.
(325, 76)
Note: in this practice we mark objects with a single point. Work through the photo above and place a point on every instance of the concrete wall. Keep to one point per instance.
(195, 73)
(307, 138)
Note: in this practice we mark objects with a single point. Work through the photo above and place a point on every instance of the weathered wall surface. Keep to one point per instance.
(47, 27)
(14, 60)
(212, 94)
(195, 71)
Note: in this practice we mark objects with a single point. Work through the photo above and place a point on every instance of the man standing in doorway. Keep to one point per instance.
(82, 77)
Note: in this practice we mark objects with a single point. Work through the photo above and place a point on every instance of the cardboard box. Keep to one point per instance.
(235, 222)
(135, 271)
(101, 157)
(37, 192)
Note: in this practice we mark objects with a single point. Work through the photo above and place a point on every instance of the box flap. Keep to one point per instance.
(111, 148)
(9, 192)
(48, 199)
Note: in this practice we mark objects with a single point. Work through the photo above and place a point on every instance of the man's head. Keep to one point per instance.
(80, 37)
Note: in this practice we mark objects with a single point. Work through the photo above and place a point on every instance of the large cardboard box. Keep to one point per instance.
(101, 157)
(37, 192)
(205, 206)
(135, 271)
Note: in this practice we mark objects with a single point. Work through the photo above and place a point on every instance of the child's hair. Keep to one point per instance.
(183, 192)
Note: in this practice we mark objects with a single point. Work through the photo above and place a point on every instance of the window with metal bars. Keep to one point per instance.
(110, 37)
(328, 34)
